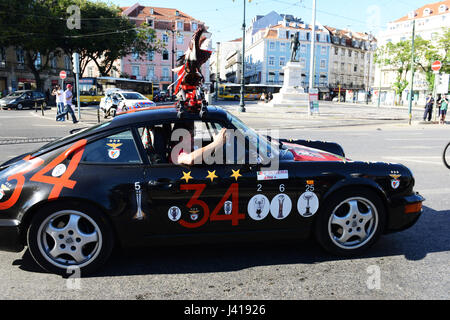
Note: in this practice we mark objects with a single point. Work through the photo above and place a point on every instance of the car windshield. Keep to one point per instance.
(133, 96)
(71, 136)
(15, 94)
(263, 145)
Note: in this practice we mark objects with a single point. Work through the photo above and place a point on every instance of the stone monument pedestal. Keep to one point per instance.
(292, 93)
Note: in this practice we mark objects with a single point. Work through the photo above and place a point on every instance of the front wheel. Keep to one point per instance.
(446, 156)
(62, 239)
(350, 222)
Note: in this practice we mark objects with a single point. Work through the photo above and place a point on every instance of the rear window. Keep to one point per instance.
(115, 149)
(133, 96)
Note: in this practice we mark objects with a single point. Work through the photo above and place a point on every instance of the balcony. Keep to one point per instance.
(166, 78)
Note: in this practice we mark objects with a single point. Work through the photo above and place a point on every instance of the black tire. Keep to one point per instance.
(446, 156)
(337, 220)
(57, 253)
(19, 106)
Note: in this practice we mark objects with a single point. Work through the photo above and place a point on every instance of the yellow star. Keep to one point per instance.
(236, 174)
(211, 175)
(187, 176)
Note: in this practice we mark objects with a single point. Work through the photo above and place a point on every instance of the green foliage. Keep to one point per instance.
(398, 58)
(40, 26)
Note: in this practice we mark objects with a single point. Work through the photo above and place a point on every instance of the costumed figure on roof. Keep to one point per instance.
(188, 87)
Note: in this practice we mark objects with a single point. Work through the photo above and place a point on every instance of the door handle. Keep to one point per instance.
(167, 183)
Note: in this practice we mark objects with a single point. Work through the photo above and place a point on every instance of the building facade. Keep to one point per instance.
(15, 75)
(430, 22)
(343, 59)
(225, 61)
(352, 68)
(175, 29)
(269, 50)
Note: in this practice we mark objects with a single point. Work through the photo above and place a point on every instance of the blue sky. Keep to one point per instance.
(224, 17)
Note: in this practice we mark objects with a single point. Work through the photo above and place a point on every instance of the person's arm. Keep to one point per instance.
(197, 155)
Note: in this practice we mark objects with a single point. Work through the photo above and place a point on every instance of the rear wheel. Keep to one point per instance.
(61, 239)
(351, 221)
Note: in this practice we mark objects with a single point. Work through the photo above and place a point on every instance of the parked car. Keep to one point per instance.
(73, 199)
(23, 99)
(116, 100)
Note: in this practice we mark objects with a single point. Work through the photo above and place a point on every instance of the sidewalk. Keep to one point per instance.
(260, 115)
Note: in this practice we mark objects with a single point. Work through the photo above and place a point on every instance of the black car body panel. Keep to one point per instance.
(150, 204)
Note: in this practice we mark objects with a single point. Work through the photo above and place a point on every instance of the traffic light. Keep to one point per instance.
(76, 62)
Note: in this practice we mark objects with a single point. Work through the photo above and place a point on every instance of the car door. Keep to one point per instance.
(112, 173)
(198, 199)
(27, 102)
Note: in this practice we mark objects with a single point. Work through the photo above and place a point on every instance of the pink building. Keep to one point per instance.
(175, 29)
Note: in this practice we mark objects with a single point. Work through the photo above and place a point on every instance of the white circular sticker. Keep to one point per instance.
(308, 204)
(59, 170)
(174, 213)
(280, 206)
(258, 207)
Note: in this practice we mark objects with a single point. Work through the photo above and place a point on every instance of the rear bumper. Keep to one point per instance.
(10, 236)
(404, 212)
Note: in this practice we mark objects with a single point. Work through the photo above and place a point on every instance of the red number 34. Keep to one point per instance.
(232, 191)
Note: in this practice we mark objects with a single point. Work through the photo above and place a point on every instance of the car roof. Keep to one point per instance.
(164, 113)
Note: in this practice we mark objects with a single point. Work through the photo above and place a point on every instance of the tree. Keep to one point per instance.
(27, 25)
(398, 57)
(426, 54)
(40, 28)
(105, 35)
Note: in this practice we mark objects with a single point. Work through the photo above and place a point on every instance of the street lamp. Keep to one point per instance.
(242, 103)
(174, 32)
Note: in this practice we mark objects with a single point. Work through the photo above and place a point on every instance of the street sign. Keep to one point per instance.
(76, 62)
(442, 83)
(313, 100)
(63, 75)
(436, 66)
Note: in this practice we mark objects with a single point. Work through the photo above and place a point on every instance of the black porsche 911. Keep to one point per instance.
(74, 199)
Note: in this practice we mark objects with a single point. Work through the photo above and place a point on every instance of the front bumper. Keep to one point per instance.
(10, 236)
(404, 212)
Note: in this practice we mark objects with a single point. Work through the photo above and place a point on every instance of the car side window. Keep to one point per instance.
(119, 148)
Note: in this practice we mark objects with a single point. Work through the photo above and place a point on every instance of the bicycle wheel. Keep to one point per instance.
(446, 156)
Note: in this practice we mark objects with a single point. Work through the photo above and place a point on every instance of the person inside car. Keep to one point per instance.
(180, 155)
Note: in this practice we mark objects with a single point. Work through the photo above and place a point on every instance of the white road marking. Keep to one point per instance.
(438, 160)
(48, 125)
(417, 139)
(414, 147)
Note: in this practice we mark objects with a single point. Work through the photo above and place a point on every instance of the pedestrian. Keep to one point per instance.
(59, 97)
(263, 96)
(428, 107)
(444, 107)
(68, 95)
(270, 96)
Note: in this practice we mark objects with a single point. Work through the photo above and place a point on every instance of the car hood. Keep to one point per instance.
(302, 153)
(8, 99)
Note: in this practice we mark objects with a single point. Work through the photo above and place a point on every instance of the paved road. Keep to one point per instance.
(413, 264)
